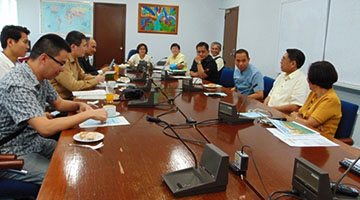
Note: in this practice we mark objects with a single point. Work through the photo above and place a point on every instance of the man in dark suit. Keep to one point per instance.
(85, 62)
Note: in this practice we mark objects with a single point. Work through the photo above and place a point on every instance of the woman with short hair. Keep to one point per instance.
(322, 109)
(176, 60)
(141, 55)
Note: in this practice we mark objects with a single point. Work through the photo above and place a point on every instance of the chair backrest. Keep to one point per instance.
(18, 189)
(227, 77)
(268, 84)
(131, 52)
(349, 115)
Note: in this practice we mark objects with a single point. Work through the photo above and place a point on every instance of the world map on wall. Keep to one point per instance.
(63, 17)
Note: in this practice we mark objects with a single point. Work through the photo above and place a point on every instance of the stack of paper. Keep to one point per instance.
(90, 94)
(297, 135)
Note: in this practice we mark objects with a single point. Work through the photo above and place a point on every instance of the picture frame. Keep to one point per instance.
(61, 17)
(156, 18)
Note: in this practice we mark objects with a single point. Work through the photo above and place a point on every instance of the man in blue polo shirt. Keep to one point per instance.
(246, 76)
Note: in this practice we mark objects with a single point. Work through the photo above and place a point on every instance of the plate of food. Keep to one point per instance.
(212, 86)
(87, 136)
(123, 79)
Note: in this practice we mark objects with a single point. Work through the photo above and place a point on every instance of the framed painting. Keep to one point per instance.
(155, 18)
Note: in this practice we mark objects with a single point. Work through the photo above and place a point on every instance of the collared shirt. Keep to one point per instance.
(219, 62)
(210, 68)
(326, 110)
(73, 78)
(180, 58)
(289, 89)
(23, 97)
(249, 77)
(6, 64)
(136, 59)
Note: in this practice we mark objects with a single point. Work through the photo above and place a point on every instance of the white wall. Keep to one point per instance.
(258, 32)
(199, 20)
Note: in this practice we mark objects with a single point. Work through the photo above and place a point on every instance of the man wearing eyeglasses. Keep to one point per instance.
(290, 88)
(15, 44)
(73, 78)
(204, 65)
(24, 92)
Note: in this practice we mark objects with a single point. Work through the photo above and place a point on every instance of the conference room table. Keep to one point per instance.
(130, 164)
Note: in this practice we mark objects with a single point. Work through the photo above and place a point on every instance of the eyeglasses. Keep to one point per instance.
(58, 62)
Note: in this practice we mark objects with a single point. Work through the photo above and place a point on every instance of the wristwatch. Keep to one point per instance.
(199, 63)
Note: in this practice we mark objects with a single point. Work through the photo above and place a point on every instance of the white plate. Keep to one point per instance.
(216, 86)
(123, 79)
(98, 137)
(116, 114)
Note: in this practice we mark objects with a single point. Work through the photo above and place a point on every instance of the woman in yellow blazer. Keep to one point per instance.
(322, 109)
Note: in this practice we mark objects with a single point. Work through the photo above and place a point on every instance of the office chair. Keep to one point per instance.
(268, 84)
(131, 52)
(346, 125)
(15, 189)
(227, 77)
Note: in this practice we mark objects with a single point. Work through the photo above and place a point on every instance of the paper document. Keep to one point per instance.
(215, 94)
(115, 121)
(89, 93)
(293, 128)
(306, 141)
(252, 114)
(197, 80)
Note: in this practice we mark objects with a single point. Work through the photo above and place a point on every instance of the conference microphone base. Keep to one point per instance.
(210, 176)
(146, 103)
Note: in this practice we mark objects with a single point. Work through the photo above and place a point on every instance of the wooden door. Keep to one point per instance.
(109, 33)
(230, 35)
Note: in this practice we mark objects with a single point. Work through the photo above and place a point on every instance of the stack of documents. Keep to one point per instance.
(297, 135)
(90, 94)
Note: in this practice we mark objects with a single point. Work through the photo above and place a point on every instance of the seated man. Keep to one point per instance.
(290, 87)
(15, 43)
(23, 95)
(85, 62)
(215, 52)
(248, 80)
(203, 65)
(73, 77)
(176, 60)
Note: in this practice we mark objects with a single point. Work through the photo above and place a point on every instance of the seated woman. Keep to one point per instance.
(141, 55)
(176, 60)
(215, 52)
(322, 109)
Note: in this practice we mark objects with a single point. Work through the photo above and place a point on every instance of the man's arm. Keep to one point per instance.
(67, 80)
(258, 95)
(66, 105)
(47, 127)
(267, 99)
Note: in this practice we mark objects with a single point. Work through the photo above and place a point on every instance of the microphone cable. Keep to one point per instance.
(152, 119)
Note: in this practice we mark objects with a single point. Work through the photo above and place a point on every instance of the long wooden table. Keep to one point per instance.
(130, 164)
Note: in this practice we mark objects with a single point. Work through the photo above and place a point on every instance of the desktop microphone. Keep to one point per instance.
(247, 93)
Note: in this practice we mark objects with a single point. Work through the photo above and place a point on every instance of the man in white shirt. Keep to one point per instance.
(15, 43)
(290, 88)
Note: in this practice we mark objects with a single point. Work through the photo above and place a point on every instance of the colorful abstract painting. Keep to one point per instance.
(154, 18)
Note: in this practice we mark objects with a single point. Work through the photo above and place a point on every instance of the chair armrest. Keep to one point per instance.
(12, 164)
(4, 157)
(348, 141)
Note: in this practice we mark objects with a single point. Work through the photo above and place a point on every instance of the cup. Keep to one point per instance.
(111, 110)
(109, 97)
